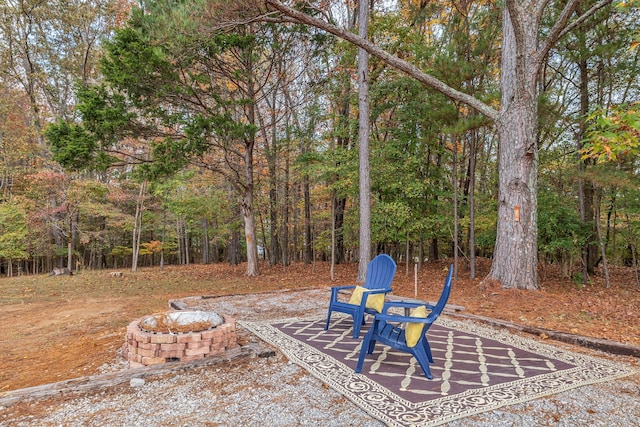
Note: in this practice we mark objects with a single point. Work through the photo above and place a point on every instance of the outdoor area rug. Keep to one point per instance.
(476, 369)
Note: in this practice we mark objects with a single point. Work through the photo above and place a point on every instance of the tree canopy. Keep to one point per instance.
(232, 134)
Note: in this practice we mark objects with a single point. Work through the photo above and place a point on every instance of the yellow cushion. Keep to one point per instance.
(413, 332)
(375, 301)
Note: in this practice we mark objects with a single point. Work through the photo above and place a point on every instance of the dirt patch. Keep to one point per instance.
(57, 328)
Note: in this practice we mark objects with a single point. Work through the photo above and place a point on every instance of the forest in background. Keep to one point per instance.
(137, 137)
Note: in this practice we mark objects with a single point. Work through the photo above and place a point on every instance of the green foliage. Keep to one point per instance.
(612, 133)
(412, 189)
(485, 231)
(121, 252)
(71, 145)
(13, 231)
(560, 231)
(166, 83)
(105, 113)
(137, 66)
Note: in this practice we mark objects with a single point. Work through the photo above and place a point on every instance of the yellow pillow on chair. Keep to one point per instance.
(413, 332)
(375, 301)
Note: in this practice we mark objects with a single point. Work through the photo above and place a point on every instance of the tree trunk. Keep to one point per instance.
(180, 237)
(164, 234)
(308, 248)
(205, 241)
(363, 144)
(333, 242)
(515, 253)
(407, 253)
(137, 226)
(285, 208)
(250, 234)
(75, 217)
(603, 251)
(338, 223)
(456, 220)
(271, 155)
(472, 209)
(247, 197)
(70, 256)
(434, 253)
(295, 238)
(185, 236)
(234, 248)
(634, 253)
(587, 207)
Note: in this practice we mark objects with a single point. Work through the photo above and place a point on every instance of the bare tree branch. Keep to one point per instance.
(560, 28)
(392, 60)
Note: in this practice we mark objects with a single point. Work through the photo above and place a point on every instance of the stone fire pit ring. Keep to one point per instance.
(178, 336)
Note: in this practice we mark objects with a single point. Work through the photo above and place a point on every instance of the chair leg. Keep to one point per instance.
(421, 356)
(372, 345)
(364, 347)
(427, 349)
(358, 321)
(326, 326)
(356, 329)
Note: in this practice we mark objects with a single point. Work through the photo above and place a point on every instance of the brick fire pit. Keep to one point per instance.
(212, 334)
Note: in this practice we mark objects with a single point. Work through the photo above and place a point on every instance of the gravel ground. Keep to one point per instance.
(274, 392)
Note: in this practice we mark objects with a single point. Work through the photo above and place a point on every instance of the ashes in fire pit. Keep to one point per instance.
(179, 336)
(181, 321)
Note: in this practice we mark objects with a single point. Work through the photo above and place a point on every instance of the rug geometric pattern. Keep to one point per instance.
(475, 369)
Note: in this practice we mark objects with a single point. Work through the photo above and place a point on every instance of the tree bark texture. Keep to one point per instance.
(247, 198)
(472, 210)
(516, 249)
(363, 145)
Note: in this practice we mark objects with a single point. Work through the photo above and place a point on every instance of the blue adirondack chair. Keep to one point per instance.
(386, 329)
(380, 272)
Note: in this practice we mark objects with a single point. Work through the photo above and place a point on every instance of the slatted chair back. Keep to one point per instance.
(380, 273)
(387, 328)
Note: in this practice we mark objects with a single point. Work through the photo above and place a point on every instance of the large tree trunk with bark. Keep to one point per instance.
(247, 212)
(247, 197)
(363, 145)
(516, 249)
